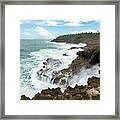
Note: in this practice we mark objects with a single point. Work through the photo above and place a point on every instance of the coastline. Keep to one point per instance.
(91, 91)
(87, 58)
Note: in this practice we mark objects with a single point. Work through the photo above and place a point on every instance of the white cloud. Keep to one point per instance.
(46, 23)
(52, 23)
(73, 23)
(59, 23)
(56, 22)
(43, 33)
(27, 33)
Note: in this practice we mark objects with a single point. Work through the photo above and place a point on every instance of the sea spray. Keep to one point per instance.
(32, 83)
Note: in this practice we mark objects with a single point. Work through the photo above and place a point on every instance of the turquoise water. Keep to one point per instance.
(27, 61)
(30, 45)
(36, 51)
(32, 55)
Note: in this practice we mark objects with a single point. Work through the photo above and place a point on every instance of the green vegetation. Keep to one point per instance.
(79, 38)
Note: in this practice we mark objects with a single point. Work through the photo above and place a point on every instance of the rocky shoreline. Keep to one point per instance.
(91, 91)
(87, 58)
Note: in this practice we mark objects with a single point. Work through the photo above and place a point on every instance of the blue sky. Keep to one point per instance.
(50, 29)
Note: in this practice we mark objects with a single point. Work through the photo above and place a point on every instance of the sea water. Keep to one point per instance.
(33, 52)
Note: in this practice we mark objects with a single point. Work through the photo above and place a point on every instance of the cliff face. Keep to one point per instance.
(90, 56)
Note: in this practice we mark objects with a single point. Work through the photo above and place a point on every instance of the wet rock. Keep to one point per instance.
(95, 58)
(63, 82)
(57, 91)
(50, 65)
(74, 48)
(49, 59)
(45, 63)
(93, 82)
(91, 91)
(65, 54)
(23, 97)
(90, 56)
(57, 79)
(61, 76)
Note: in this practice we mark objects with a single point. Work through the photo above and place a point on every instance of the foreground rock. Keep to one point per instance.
(91, 91)
(23, 97)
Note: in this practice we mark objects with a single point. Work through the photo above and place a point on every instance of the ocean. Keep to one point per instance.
(33, 55)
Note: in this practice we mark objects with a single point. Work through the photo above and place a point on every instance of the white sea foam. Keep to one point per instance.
(82, 77)
(38, 57)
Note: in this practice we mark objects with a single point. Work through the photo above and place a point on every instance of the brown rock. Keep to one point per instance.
(39, 96)
(23, 97)
(93, 82)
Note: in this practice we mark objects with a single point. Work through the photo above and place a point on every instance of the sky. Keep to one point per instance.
(50, 29)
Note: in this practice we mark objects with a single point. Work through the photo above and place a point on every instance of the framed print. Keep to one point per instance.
(60, 60)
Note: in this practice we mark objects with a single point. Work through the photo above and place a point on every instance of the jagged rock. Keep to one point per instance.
(57, 91)
(48, 70)
(77, 97)
(90, 56)
(40, 96)
(57, 79)
(99, 71)
(95, 58)
(67, 96)
(45, 63)
(63, 82)
(59, 97)
(46, 91)
(91, 91)
(65, 54)
(74, 48)
(93, 82)
(53, 91)
(62, 76)
(23, 97)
